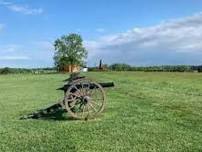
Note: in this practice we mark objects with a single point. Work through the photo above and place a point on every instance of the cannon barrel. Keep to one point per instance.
(104, 85)
(107, 84)
(74, 78)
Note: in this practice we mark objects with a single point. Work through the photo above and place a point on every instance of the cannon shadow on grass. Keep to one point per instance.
(59, 115)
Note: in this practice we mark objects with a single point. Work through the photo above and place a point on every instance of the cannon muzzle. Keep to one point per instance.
(107, 84)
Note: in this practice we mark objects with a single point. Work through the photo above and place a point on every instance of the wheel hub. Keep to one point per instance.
(86, 99)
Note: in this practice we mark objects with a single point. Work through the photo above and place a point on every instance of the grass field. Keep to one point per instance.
(144, 112)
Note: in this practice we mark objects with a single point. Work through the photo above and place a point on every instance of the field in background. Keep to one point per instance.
(145, 112)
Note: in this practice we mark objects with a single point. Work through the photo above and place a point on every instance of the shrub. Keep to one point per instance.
(6, 70)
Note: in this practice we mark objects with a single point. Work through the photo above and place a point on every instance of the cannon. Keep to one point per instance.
(83, 99)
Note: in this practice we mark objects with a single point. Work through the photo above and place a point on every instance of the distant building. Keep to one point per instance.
(85, 69)
(71, 68)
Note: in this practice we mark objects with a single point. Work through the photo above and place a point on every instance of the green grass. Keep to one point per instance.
(144, 112)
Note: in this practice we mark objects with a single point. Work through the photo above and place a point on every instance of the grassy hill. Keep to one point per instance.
(145, 112)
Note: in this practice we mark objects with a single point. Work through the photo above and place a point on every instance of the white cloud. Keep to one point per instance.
(31, 54)
(25, 9)
(177, 41)
(44, 45)
(11, 48)
(12, 52)
(100, 30)
(14, 58)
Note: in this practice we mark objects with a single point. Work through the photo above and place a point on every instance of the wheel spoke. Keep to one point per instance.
(92, 107)
(74, 94)
(93, 102)
(97, 97)
(82, 89)
(88, 110)
(78, 90)
(83, 110)
(86, 87)
(72, 104)
(92, 92)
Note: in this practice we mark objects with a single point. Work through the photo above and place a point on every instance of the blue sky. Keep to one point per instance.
(137, 32)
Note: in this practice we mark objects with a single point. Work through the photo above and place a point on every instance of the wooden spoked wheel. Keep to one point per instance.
(84, 99)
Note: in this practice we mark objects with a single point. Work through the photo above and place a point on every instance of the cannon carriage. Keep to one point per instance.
(83, 99)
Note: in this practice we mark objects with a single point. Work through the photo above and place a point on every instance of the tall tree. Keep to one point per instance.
(69, 50)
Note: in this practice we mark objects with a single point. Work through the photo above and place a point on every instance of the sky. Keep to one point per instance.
(136, 32)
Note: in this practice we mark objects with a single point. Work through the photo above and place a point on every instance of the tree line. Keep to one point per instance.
(161, 68)
(112, 67)
(8, 70)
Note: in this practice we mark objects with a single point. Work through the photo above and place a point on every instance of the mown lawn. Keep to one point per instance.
(145, 112)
